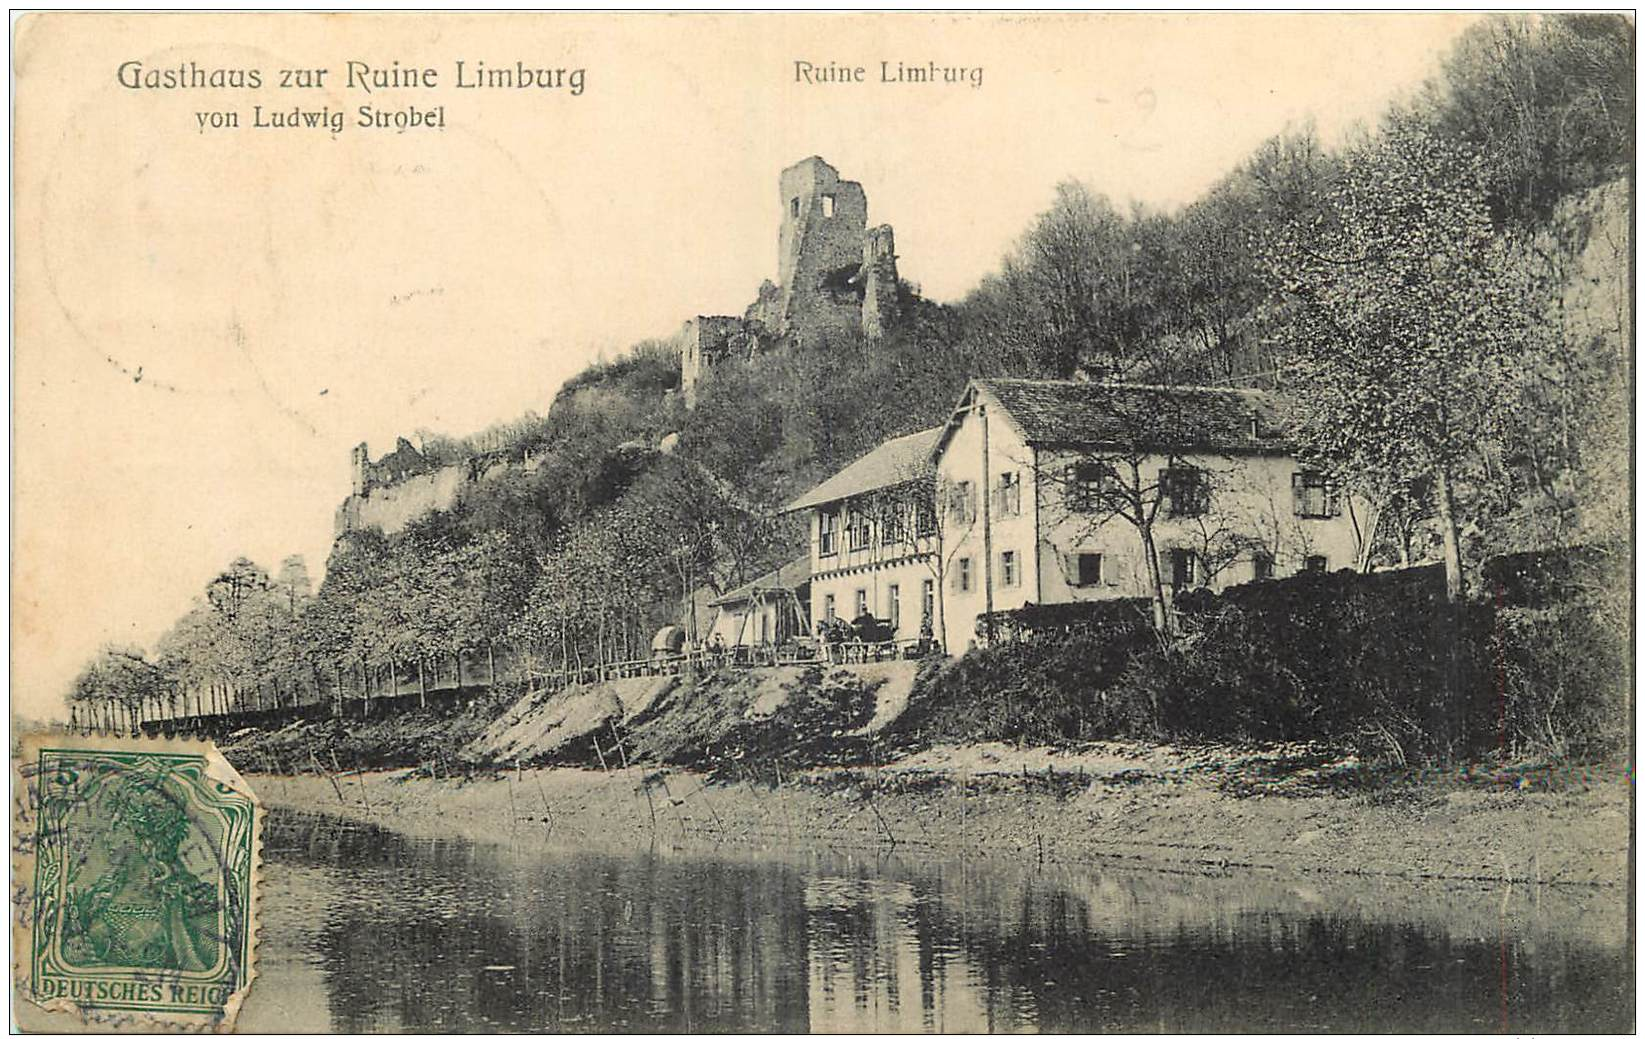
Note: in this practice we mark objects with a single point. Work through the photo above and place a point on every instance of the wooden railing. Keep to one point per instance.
(380, 706)
(701, 659)
(859, 652)
(710, 659)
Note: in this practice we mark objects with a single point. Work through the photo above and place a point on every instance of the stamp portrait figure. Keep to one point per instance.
(136, 902)
(143, 865)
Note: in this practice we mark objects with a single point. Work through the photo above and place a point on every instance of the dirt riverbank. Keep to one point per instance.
(1151, 807)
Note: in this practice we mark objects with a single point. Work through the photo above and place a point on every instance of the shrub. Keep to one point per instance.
(1381, 662)
(1385, 663)
(1549, 575)
(1042, 620)
(810, 727)
(1048, 691)
(1563, 681)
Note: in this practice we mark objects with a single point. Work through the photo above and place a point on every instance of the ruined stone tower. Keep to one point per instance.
(823, 249)
(879, 278)
(836, 277)
(359, 468)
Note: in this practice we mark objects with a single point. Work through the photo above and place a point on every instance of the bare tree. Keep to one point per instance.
(1157, 468)
(911, 527)
(1133, 485)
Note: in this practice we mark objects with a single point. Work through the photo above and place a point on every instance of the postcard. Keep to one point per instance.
(837, 522)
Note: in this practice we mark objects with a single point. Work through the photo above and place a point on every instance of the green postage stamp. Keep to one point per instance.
(137, 863)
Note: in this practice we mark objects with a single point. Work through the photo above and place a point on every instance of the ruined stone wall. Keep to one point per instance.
(402, 462)
(391, 508)
(393, 496)
(766, 312)
(359, 468)
(823, 218)
(706, 340)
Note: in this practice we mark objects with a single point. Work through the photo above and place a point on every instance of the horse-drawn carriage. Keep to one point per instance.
(866, 639)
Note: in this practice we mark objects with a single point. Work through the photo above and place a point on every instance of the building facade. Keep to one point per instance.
(1045, 490)
(873, 534)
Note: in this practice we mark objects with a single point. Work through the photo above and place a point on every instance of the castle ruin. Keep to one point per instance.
(405, 485)
(398, 488)
(836, 277)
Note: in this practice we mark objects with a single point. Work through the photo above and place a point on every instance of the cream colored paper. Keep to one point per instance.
(222, 286)
(207, 321)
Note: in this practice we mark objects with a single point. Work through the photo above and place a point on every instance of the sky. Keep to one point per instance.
(206, 321)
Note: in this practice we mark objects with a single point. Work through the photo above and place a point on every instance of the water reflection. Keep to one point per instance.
(395, 933)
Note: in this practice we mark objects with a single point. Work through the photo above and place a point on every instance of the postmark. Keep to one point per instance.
(135, 869)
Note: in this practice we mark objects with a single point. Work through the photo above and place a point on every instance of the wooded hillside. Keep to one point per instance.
(1444, 300)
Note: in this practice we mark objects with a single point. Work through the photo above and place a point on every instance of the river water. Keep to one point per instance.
(367, 930)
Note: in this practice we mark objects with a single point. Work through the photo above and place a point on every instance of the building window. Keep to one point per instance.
(928, 600)
(1262, 566)
(962, 574)
(1010, 494)
(1185, 490)
(893, 607)
(828, 606)
(857, 530)
(828, 205)
(828, 533)
(1312, 496)
(794, 208)
(1088, 569)
(1315, 564)
(862, 601)
(1086, 486)
(925, 516)
(891, 524)
(963, 503)
(1010, 574)
(1180, 561)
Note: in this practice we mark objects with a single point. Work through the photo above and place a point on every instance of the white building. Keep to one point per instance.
(1044, 490)
(873, 535)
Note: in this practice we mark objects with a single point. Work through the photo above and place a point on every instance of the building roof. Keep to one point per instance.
(1090, 414)
(893, 462)
(793, 574)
